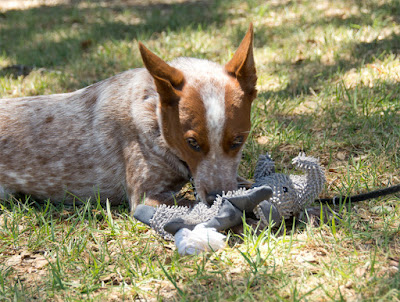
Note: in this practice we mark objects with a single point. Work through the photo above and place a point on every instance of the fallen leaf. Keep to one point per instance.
(306, 257)
(360, 271)
(341, 155)
(40, 263)
(262, 140)
(393, 261)
(14, 260)
(86, 44)
(349, 284)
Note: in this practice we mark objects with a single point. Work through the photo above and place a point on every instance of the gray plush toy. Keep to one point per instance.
(272, 198)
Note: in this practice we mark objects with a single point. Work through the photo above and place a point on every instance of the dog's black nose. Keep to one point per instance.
(212, 196)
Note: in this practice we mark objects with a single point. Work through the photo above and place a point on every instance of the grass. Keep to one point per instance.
(328, 84)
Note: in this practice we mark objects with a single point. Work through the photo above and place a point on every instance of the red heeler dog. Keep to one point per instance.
(141, 134)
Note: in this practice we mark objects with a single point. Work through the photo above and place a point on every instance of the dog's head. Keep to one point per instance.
(204, 113)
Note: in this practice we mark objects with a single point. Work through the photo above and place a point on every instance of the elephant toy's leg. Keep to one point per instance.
(269, 213)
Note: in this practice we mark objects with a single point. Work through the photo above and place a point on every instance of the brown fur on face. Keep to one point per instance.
(138, 135)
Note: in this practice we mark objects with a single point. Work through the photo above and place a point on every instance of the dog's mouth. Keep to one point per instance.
(208, 194)
(209, 198)
(212, 196)
(215, 176)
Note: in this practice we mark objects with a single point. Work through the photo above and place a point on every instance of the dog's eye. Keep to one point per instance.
(285, 189)
(193, 144)
(237, 142)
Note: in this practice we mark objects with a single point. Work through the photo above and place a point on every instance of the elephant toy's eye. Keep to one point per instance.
(285, 189)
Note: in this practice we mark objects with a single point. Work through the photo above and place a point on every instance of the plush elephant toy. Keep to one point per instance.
(272, 198)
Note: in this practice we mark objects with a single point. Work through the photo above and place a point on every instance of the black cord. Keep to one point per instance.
(361, 197)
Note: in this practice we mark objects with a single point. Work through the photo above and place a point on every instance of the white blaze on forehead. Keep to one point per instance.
(213, 97)
(210, 80)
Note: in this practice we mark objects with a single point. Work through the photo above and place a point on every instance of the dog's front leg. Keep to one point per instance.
(155, 193)
(152, 180)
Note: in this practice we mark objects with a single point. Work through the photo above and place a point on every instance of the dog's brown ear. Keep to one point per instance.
(242, 64)
(168, 80)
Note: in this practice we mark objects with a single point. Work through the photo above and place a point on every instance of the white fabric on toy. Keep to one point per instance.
(200, 239)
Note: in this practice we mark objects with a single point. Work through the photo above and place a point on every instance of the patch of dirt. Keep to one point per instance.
(28, 265)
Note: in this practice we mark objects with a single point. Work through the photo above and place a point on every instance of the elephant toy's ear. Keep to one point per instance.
(265, 167)
(228, 216)
(251, 198)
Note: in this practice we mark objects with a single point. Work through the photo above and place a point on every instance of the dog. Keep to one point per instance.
(139, 135)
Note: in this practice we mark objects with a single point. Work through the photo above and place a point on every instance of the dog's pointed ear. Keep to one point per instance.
(168, 80)
(242, 66)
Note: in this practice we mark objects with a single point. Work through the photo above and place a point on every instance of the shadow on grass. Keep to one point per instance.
(53, 36)
(348, 124)
(309, 77)
(306, 75)
(50, 36)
